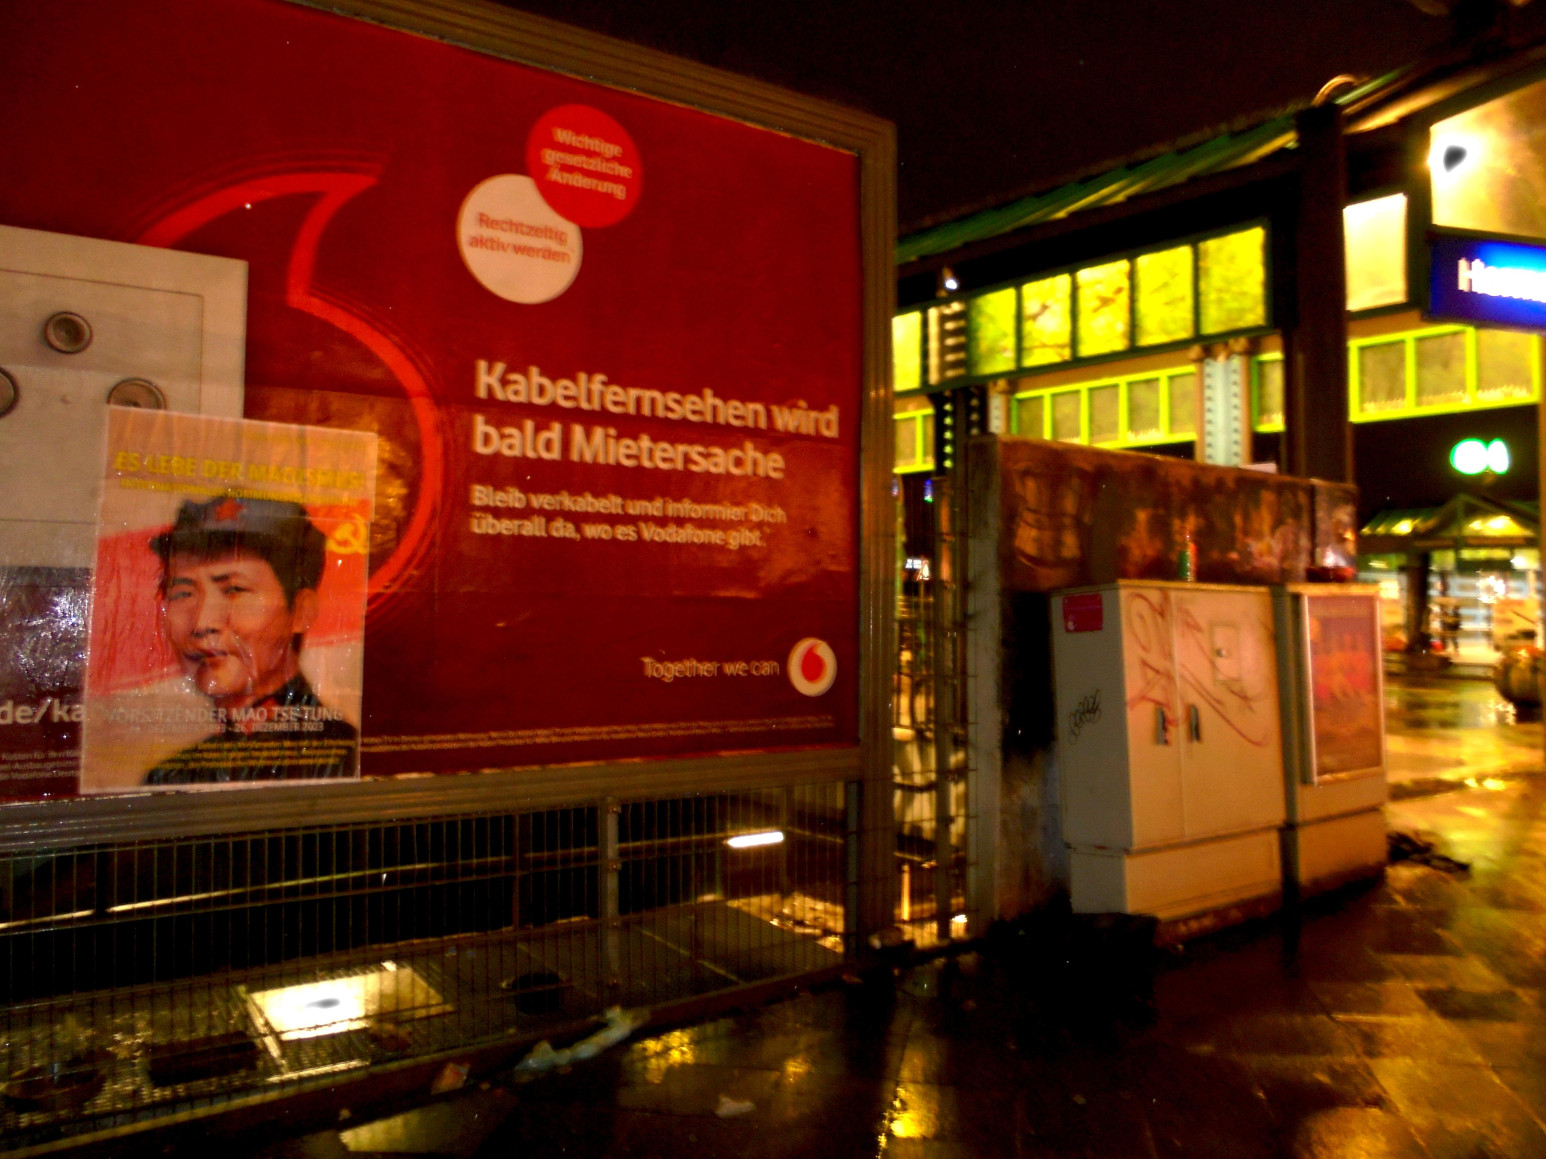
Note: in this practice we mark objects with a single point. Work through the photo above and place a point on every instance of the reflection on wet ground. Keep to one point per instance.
(1411, 1022)
(1447, 729)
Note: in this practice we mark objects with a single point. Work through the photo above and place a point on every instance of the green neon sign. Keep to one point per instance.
(1473, 457)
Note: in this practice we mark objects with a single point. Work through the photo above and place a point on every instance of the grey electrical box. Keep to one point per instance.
(85, 324)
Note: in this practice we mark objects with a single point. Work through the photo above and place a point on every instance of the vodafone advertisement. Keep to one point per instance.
(609, 349)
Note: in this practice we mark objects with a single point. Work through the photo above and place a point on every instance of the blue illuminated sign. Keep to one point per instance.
(1477, 280)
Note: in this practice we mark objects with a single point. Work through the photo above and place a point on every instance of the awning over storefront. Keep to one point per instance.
(1466, 522)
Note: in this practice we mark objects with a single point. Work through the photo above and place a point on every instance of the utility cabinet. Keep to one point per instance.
(1333, 705)
(1169, 747)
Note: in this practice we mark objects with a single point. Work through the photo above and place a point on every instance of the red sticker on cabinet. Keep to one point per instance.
(1083, 613)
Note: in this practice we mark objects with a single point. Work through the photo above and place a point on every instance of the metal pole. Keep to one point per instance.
(611, 919)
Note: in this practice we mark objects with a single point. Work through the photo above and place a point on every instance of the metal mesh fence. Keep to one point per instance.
(145, 978)
(930, 768)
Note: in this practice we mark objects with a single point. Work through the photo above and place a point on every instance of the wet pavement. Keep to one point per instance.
(1442, 729)
(1403, 1019)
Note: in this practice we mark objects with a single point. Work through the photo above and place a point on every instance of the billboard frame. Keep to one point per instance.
(593, 58)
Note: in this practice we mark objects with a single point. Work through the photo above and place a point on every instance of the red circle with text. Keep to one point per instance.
(585, 164)
(812, 666)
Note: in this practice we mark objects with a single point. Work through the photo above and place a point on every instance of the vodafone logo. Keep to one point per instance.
(812, 666)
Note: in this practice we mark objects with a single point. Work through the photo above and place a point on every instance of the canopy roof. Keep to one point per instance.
(1371, 105)
(1465, 521)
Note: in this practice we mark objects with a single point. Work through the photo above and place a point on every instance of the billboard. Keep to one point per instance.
(610, 348)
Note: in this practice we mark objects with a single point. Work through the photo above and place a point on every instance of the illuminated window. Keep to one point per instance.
(907, 451)
(914, 433)
(907, 351)
(1505, 366)
(1068, 416)
(1375, 233)
(1232, 281)
(991, 333)
(1105, 414)
(1382, 377)
(1143, 409)
(1182, 391)
(1164, 296)
(1104, 308)
(1130, 412)
(1030, 416)
(1440, 369)
(1044, 320)
(1269, 392)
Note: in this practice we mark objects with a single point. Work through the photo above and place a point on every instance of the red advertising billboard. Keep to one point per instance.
(610, 346)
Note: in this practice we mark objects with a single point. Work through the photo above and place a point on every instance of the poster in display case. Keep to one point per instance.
(1342, 646)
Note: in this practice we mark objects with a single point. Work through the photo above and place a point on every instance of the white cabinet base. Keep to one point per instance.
(1178, 881)
(1326, 854)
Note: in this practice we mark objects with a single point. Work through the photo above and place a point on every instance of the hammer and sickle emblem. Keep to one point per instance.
(352, 537)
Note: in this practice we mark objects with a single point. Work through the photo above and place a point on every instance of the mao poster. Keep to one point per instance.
(611, 347)
(227, 614)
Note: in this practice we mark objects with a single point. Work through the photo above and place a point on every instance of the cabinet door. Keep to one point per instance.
(1231, 746)
(1153, 715)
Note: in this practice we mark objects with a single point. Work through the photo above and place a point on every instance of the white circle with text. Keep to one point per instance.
(812, 666)
(514, 243)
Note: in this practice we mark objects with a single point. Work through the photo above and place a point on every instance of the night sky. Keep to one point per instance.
(993, 98)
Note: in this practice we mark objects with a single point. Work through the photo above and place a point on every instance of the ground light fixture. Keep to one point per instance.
(752, 840)
(1473, 457)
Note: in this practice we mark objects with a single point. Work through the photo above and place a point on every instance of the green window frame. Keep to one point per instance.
(1266, 423)
(1409, 404)
(984, 334)
(1085, 392)
(915, 431)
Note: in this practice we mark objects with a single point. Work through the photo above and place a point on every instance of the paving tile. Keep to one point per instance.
(1059, 1121)
(1511, 895)
(1460, 1110)
(1172, 1085)
(941, 1149)
(1301, 1034)
(1472, 1005)
(1411, 931)
(931, 1111)
(1344, 959)
(449, 1127)
(1528, 1082)
(695, 1090)
(1418, 1036)
(1506, 1043)
(1417, 886)
(836, 1103)
(651, 1135)
(576, 1130)
(930, 1059)
(1339, 997)
(1297, 1088)
(1353, 1133)
(1446, 970)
